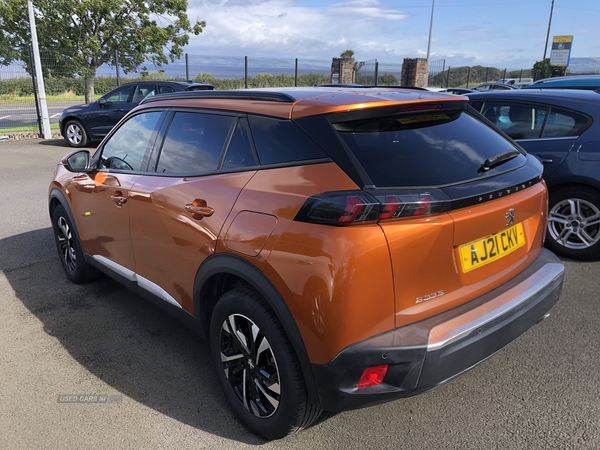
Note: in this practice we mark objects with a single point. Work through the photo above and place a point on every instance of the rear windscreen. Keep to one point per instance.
(428, 149)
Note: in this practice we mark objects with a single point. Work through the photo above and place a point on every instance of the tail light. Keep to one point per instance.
(354, 207)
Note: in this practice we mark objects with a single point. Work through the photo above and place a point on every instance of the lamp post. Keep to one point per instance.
(38, 73)
(431, 28)
(548, 34)
(429, 40)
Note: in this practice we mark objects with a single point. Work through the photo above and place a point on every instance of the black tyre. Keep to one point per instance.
(69, 248)
(574, 223)
(75, 134)
(257, 366)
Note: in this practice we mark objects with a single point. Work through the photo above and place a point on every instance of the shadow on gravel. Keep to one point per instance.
(56, 142)
(131, 345)
(60, 142)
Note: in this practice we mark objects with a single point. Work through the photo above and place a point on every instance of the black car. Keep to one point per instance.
(82, 124)
(562, 128)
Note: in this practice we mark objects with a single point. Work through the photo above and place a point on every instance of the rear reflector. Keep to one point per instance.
(372, 376)
(354, 207)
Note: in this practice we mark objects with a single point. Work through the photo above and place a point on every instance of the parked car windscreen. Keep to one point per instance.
(430, 149)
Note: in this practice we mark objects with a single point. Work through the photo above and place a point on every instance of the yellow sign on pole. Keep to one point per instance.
(561, 50)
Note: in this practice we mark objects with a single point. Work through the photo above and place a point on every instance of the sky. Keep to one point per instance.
(493, 33)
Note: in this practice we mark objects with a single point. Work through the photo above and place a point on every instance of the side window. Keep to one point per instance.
(239, 153)
(141, 92)
(165, 89)
(564, 123)
(119, 95)
(281, 141)
(194, 143)
(518, 120)
(127, 147)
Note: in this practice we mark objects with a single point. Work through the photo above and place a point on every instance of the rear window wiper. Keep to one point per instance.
(498, 159)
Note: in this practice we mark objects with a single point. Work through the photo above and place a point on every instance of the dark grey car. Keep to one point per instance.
(562, 128)
(82, 124)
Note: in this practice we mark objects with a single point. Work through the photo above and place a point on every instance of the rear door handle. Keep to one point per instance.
(118, 198)
(199, 209)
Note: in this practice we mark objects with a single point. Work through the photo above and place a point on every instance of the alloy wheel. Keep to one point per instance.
(74, 134)
(67, 245)
(574, 223)
(249, 365)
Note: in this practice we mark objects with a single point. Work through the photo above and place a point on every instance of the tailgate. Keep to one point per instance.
(445, 260)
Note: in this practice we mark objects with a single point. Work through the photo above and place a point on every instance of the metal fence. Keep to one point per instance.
(64, 86)
(444, 76)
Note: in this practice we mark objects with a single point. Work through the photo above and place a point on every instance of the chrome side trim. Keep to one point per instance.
(563, 138)
(456, 328)
(142, 282)
(155, 289)
(124, 272)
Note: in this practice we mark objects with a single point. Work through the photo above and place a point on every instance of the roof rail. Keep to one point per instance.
(361, 86)
(232, 94)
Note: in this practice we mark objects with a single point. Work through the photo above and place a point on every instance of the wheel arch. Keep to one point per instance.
(57, 198)
(68, 119)
(224, 272)
(555, 187)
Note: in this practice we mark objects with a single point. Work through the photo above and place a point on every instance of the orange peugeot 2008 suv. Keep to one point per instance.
(338, 246)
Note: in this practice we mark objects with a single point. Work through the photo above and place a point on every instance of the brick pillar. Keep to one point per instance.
(342, 71)
(414, 72)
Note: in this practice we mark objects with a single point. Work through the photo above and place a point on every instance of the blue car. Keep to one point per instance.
(586, 82)
(562, 128)
(83, 124)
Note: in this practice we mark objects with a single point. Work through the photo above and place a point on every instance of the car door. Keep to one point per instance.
(178, 211)
(101, 202)
(112, 107)
(547, 132)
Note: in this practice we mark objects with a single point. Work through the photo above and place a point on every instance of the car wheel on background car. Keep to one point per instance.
(75, 134)
(69, 249)
(574, 223)
(257, 366)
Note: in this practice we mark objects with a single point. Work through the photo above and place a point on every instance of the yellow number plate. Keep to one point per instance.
(482, 251)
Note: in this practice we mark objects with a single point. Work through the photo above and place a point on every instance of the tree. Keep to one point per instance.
(543, 69)
(84, 34)
(347, 54)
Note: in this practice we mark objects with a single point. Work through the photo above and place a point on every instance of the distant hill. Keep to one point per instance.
(584, 65)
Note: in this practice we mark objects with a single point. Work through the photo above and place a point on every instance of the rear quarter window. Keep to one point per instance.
(282, 141)
(563, 123)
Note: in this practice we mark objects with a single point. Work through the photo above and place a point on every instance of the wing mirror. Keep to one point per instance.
(78, 161)
(103, 103)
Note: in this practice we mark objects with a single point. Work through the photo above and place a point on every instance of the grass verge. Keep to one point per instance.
(25, 128)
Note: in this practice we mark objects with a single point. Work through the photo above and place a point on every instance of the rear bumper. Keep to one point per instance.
(424, 355)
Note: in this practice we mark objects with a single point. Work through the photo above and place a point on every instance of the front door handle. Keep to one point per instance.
(118, 198)
(199, 209)
(546, 161)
